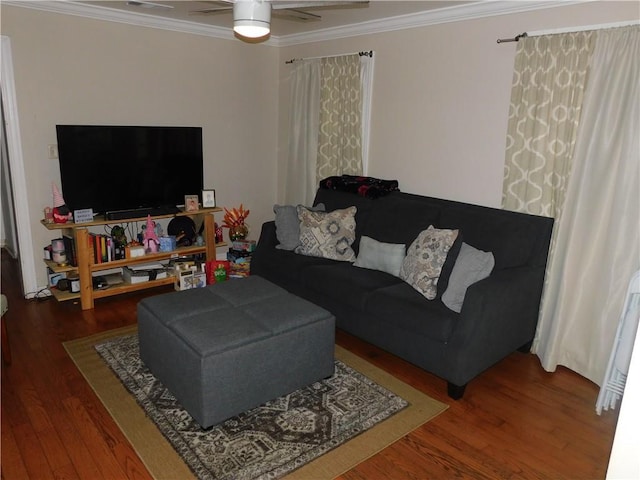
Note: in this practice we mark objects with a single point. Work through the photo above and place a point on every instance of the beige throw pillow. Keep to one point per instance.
(327, 234)
(426, 255)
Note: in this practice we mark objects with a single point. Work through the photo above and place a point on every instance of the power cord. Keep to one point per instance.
(39, 295)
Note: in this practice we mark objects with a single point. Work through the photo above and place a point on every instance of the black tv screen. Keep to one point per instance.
(113, 168)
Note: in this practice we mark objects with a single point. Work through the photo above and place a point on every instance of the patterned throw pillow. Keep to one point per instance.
(426, 255)
(327, 234)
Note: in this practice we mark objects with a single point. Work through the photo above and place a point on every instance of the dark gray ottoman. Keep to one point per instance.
(232, 346)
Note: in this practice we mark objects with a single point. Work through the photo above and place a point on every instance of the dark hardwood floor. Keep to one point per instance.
(515, 421)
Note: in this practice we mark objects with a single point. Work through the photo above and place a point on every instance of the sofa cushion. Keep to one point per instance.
(327, 234)
(288, 225)
(284, 267)
(512, 237)
(399, 218)
(375, 255)
(425, 257)
(472, 265)
(402, 306)
(345, 283)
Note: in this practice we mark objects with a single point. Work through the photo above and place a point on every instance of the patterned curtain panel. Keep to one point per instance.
(340, 132)
(549, 79)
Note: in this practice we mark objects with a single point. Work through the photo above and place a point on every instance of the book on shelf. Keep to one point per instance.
(134, 276)
(147, 266)
(70, 249)
(144, 273)
(112, 276)
(103, 248)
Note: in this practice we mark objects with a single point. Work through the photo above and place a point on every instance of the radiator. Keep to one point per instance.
(618, 367)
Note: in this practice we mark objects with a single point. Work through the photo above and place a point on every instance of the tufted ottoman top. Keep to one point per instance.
(228, 315)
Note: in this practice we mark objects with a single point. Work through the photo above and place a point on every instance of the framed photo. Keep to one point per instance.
(208, 198)
(191, 203)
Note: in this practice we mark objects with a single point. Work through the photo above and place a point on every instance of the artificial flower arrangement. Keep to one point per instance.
(234, 220)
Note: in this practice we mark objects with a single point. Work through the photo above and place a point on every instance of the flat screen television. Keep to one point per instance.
(129, 171)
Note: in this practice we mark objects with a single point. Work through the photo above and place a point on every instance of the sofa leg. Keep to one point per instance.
(526, 348)
(455, 391)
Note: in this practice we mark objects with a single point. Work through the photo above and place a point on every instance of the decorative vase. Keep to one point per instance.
(238, 232)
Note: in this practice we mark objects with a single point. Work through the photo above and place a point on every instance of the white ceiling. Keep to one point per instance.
(332, 16)
(338, 21)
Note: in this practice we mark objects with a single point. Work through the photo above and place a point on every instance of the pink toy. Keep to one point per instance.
(61, 213)
(150, 240)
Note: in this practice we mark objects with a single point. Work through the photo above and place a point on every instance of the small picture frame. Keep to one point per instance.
(191, 203)
(208, 198)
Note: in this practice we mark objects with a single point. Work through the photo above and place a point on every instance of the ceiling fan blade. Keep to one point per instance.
(144, 4)
(211, 11)
(218, 6)
(294, 14)
(286, 4)
(219, 3)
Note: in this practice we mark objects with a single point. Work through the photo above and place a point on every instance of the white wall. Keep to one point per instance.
(441, 96)
(81, 71)
(440, 102)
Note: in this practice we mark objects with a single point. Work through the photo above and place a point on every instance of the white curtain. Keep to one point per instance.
(304, 121)
(308, 161)
(598, 233)
(366, 80)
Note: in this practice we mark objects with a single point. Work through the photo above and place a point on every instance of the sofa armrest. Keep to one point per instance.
(268, 239)
(498, 316)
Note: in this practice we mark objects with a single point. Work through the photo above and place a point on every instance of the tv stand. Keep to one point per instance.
(141, 212)
(86, 266)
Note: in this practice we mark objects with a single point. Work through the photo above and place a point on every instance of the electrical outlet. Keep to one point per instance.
(53, 151)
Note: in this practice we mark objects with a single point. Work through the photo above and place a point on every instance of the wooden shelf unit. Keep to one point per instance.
(86, 267)
(61, 295)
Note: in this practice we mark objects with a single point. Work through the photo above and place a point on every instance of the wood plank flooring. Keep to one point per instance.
(516, 421)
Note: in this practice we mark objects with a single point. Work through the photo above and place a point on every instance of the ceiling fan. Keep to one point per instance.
(252, 18)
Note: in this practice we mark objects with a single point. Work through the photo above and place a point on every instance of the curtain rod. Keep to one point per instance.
(582, 28)
(362, 54)
(514, 39)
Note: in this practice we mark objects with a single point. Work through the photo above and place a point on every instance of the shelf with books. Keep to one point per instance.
(88, 262)
(151, 257)
(130, 287)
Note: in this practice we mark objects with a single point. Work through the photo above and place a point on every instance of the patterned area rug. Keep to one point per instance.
(163, 460)
(269, 441)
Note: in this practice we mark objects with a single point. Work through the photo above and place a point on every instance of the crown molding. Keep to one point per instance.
(430, 17)
(98, 12)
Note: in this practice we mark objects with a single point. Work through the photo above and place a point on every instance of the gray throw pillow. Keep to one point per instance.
(472, 265)
(375, 255)
(288, 225)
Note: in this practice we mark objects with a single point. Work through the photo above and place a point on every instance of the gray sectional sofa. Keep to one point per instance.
(498, 314)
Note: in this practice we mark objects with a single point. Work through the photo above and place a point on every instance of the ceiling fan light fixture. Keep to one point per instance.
(251, 18)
